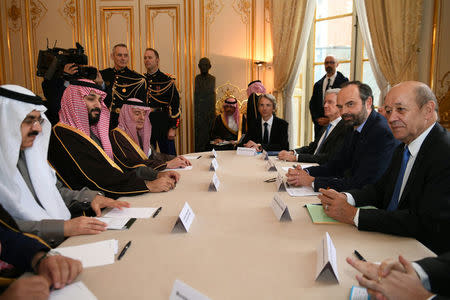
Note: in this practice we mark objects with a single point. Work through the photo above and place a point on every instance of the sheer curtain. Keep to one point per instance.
(291, 25)
(365, 32)
(394, 29)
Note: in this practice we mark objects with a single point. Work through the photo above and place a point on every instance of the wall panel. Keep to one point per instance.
(116, 26)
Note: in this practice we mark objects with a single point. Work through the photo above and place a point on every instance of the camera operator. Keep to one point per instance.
(54, 88)
(59, 66)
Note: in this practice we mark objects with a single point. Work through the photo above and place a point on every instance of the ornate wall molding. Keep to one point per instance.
(68, 11)
(212, 9)
(172, 11)
(243, 8)
(14, 16)
(106, 13)
(37, 10)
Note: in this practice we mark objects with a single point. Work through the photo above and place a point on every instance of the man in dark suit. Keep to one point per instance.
(366, 151)
(29, 253)
(331, 80)
(269, 133)
(328, 142)
(427, 278)
(413, 195)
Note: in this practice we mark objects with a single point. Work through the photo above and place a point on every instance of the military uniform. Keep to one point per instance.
(163, 98)
(120, 86)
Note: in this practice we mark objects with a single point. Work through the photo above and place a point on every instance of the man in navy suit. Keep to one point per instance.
(413, 195)
(269, 132)
(29, 253)
(330, 139)
(367, 149)
(330, 80)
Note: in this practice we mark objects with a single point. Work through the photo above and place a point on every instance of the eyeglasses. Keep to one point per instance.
(32, 121)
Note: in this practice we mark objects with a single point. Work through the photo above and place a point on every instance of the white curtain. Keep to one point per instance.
(288, 89)
(382, 83)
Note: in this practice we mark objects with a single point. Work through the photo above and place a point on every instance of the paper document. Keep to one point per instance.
(92, 254)
(131, 212)
(74, 291)
(114, 223)
(318, 216)
(191, 156)
(300, 191)
(179, 169)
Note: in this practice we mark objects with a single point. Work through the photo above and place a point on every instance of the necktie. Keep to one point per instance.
(266, 134)
(323, 140)
(395, 196)
(328, 84)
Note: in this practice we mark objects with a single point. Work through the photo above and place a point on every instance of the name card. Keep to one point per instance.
(326, 269)
(265, 155)
(280, 209)
(184, 220)
(280, 183)
(214, 184)
(182, 291)
(214, 165)
(270, 166)
(246, 151)
(213, 153)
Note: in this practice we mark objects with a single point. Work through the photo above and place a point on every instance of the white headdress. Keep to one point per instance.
(15, 196)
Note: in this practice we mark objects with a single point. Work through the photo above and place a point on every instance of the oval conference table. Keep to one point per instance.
(236, 248)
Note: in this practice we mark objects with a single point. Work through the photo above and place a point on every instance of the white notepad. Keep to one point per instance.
(74, 291)
(131, 212)
(92, 254)
(114, 223)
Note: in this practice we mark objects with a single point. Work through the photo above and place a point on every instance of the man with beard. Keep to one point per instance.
(412, 196)
(331, 80)
(227, 126)
(81, 152)
(367, 149)
(29, 191)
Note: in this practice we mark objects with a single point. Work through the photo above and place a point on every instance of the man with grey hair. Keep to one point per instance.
(332, 79)
(121, 83)
(328, 142)
(413, 195)
(269, 133)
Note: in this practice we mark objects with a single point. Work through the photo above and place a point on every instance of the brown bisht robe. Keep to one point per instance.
(79, 162)
(129, 155)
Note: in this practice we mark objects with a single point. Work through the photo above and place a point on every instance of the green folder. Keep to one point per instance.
(318, 216)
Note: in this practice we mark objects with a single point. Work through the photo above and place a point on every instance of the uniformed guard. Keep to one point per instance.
(121, 83)
(163, 98)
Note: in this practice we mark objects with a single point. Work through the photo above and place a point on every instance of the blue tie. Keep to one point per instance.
(394, 200)
(324, 138)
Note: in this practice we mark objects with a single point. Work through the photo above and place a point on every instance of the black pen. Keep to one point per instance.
(157, 212)
(270, 179)
(312, 204)
(359, 256)
(124, 250)
(198, 157)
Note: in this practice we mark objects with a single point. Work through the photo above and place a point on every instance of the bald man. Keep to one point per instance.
(413, 195)
(331, 80)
